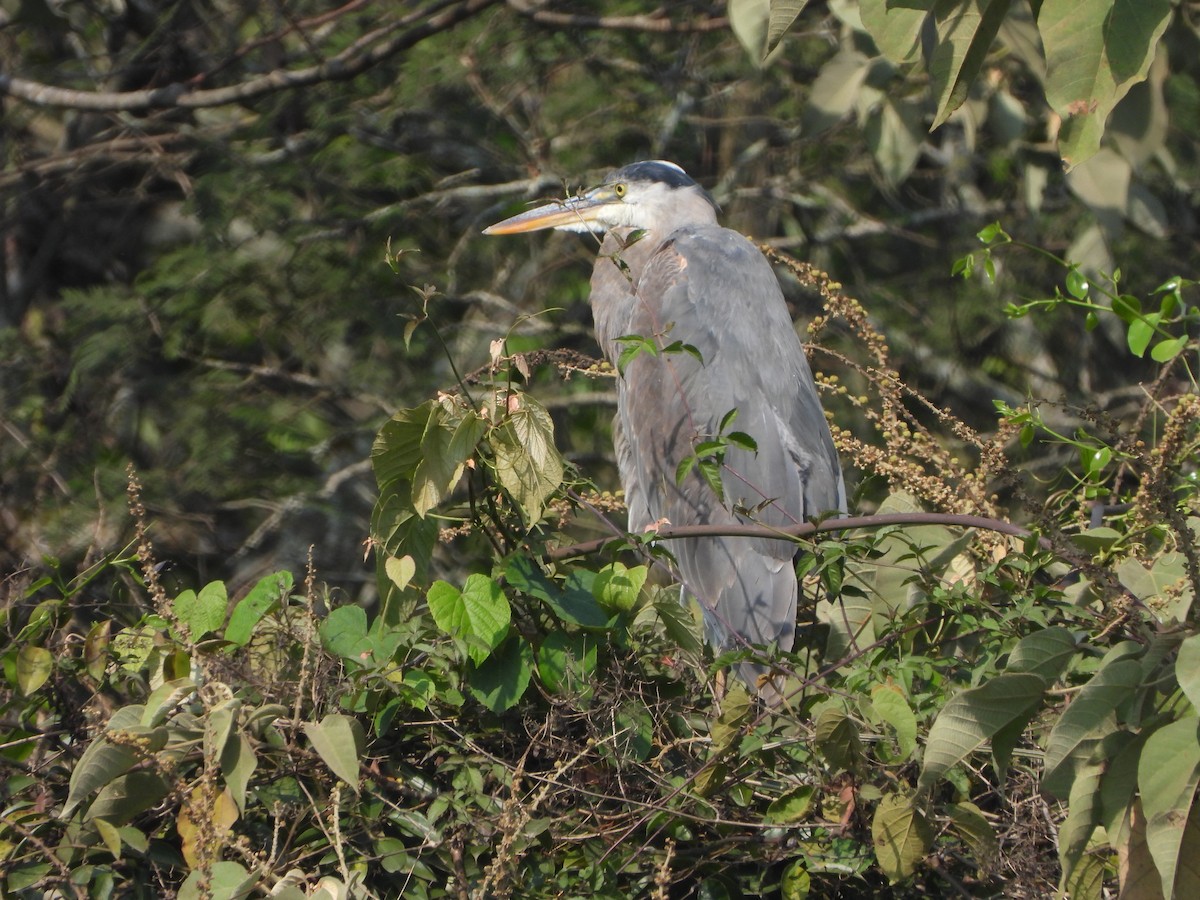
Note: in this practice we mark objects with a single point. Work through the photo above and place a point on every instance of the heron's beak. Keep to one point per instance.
(581, 213)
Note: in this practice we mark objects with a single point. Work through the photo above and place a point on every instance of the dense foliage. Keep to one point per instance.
(237, 240)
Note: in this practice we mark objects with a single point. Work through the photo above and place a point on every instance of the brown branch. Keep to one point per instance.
(808, 529)
(348, 64)
(656, 21)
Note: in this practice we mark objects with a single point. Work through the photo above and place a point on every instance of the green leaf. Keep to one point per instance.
(266, 595)
(965, 30)
(103, 761)
(1077, 284)
(795, 883)
(338, 740)
(1168, 773)
(792, 807)
(225, 881)
(969, 823)
(110, 835)
(128, 796)
(835, 737)
(502, 679)
(971, 718)
(901, 836)
(895, 132)
(344, 632)
(1141, 332)
(437, 472)
(572, 603)
(617, 587)
(238, 762)
(165, 699)
(1167, 349)
(34, 667)
(527, 463)
(396, 452)
(727, 728)
(566, 662)
(1088, 718)
(1095, 51)
(479, 613)
(1047, 653)
(204, 612)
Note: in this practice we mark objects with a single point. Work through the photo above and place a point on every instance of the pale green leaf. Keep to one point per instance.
(127, 796)
(225, 881)
(527, 463)
(1187, 669)
(895, 28)
(1087, 718)
(34, 666)
(102, 761)
(438, 471)
(890, 705)
(1168, 772)
(338, 741)
(1095, 51)
(617, 587)
(1083, 815)
(238, 763)
(965, 30)
(836, 738)
(748, 21)
(1047, 653)
(894, 135)
(165, 699)
(833, 94)
(783, 14)
(970, 719)
(795, 883)
(400, 570)
(727, 728)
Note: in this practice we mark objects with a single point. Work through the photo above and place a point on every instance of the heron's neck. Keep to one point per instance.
(618, 268)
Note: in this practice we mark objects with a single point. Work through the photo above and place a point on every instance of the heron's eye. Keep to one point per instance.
(619, 190)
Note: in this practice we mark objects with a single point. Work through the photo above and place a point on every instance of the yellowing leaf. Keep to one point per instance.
(901, 836)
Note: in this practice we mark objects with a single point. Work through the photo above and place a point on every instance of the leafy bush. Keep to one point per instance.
(545, 725)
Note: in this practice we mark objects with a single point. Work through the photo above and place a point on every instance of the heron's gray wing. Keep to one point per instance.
(710, 289)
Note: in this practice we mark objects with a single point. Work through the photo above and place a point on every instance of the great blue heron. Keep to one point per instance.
(722, 340)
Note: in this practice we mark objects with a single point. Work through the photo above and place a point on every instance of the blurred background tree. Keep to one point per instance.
(196, 197)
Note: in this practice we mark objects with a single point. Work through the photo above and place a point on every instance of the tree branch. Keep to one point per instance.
(348, 64)
(808, 529)
(653, 21)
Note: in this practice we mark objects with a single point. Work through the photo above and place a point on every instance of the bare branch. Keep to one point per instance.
(351, 62)
(653, 21)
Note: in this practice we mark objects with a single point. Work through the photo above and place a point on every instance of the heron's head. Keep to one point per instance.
(656, 196)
